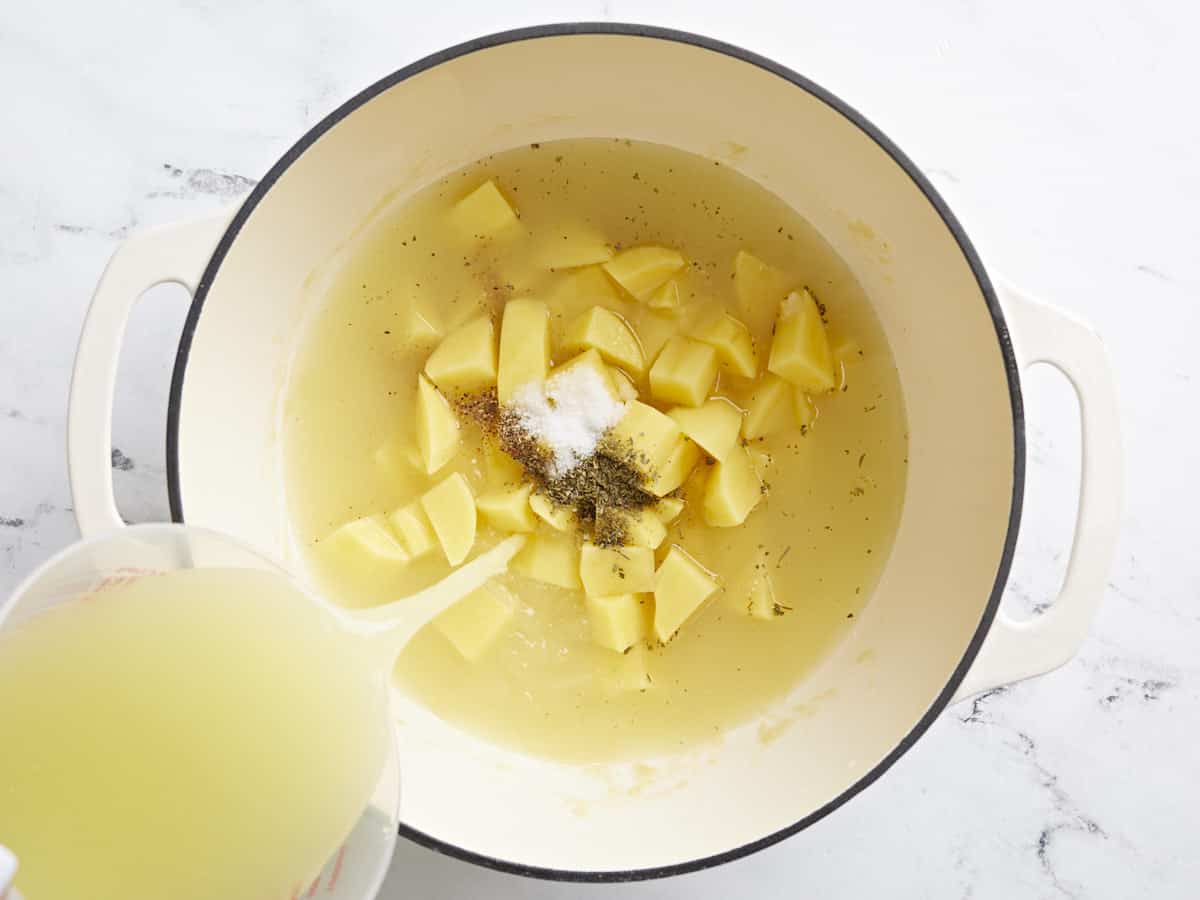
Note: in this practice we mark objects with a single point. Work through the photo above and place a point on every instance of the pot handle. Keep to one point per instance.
(169, 253)
(1014, 649)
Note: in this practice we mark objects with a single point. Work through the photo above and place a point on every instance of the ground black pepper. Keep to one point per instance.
(599, 489)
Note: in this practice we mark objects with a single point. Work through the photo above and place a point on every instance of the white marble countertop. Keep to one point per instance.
(1065, 137)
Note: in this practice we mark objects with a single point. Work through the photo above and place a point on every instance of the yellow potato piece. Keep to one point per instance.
(666, 297)
(800, 350)
(768, 409)
(642, 269)
(654, 330)
(732, 490)
(627, 673)
(572, 248)
(589, 359)
(681, 585)
(714, 426)
(645, 437)
(803, 408)
(418, 326)
(437, 427)
(675, 470)
(451, 510)
(474, 622)
(760, 602)
(669, 509)
(398, 457)
(414, 529)
(507, 509)
(501, 468)
(684, 372)
(584, 288)
(640, 527)
(560, 518)
(465, 360)
(627, 391)
(551, 558)
(603, 330)
(364, 540)
(484, 212)
(735, 347)
(616, 570)
(524, 346)
(847, 351)
(759, 289)
(620, 621)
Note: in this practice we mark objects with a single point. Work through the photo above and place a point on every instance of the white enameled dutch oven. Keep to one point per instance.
(931, 633)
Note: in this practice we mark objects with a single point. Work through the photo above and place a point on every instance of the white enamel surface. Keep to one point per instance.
(850, 714)
(999, 801)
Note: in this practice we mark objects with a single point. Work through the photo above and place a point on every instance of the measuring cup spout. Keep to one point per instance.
(393, 625)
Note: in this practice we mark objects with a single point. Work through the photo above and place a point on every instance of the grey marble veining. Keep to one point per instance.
(1059, 133)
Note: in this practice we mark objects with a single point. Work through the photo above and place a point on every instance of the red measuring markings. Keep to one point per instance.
(121, 576)
(299, 893)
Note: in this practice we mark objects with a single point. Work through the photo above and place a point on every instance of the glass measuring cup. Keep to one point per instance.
(357, 869)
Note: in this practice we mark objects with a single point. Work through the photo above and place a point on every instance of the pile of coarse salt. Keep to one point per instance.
(568, 413)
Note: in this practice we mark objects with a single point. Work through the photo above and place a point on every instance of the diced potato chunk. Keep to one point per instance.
(578, 292)
(501, 468)
(399, 457)
(620, 621)
(645, 437)
(484, 211)
(628, 672)
(714, 426)
(437, 427)
(603, 330)
(465, 360)
(681, 585)
(668, 509)
(759, 288)
(365, 540)
(560, 518)
(524, 346)
(684, 371)
(800, 349)
(654, 330)
(768, 410)
(418, 326)
(732, 490)
(803, 408)
(474, 622)
(762, 461)
(847, 351)
(590, 359)
(551, 558)
(642, 269)
(760, 603)
(451, 511)
(616, 570)
(674, 472)
(627, 391)
(666, 297)
(507, 509)
(414, 529)
(734, 345)
(572, 248)
(640, 527)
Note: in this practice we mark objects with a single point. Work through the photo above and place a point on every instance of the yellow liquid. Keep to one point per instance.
(195, 735)
(826, 526)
